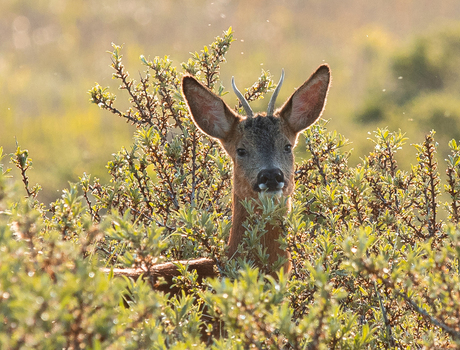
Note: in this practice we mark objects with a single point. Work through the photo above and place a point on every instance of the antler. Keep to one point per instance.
(243, 101)
(271, 104)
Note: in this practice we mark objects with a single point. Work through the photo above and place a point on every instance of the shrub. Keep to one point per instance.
(374, 265)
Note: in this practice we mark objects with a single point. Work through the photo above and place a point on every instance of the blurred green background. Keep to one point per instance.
(394, 63)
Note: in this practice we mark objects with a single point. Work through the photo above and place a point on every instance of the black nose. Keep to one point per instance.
(270, 180)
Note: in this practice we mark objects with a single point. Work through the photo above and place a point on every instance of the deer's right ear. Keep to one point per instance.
(210, 113)
(306, 104)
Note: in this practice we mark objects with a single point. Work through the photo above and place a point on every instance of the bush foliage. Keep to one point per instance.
(375, 251)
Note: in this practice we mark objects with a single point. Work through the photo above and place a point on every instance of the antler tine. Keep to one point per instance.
(243, 101)
(271, 104)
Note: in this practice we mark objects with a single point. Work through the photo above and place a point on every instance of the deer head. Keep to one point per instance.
(259, 145)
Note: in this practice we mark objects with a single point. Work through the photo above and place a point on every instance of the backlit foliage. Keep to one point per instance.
(374, 265)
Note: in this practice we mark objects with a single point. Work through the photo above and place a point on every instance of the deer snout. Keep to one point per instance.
(271, 180)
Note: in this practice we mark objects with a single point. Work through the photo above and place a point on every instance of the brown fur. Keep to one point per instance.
(264, 138)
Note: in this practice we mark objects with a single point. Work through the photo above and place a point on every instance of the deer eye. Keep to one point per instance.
(288, 148)
(241, 152)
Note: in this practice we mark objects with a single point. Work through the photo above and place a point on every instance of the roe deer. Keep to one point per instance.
(261, 148)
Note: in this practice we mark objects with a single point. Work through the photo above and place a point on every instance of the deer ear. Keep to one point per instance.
(306, 104)
(209, 112)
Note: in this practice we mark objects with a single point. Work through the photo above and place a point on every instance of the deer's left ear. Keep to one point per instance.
(306, 104)
(209, 112)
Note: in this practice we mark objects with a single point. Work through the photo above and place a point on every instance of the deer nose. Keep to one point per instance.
(270, 180)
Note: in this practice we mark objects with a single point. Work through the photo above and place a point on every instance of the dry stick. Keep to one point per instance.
(454, 194)
(314, 344)
(317, 162)
(127, 85)
(385, 318)
(452, 332)
(194, 168)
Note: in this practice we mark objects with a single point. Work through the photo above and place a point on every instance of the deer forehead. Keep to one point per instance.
(263, 131)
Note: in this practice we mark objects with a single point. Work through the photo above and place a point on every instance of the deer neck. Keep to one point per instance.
(269, 240)
(239, 216)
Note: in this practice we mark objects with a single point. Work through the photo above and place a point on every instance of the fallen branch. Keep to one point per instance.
(160, 276)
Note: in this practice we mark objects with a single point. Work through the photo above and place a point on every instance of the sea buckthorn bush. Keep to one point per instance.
(375, 249)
